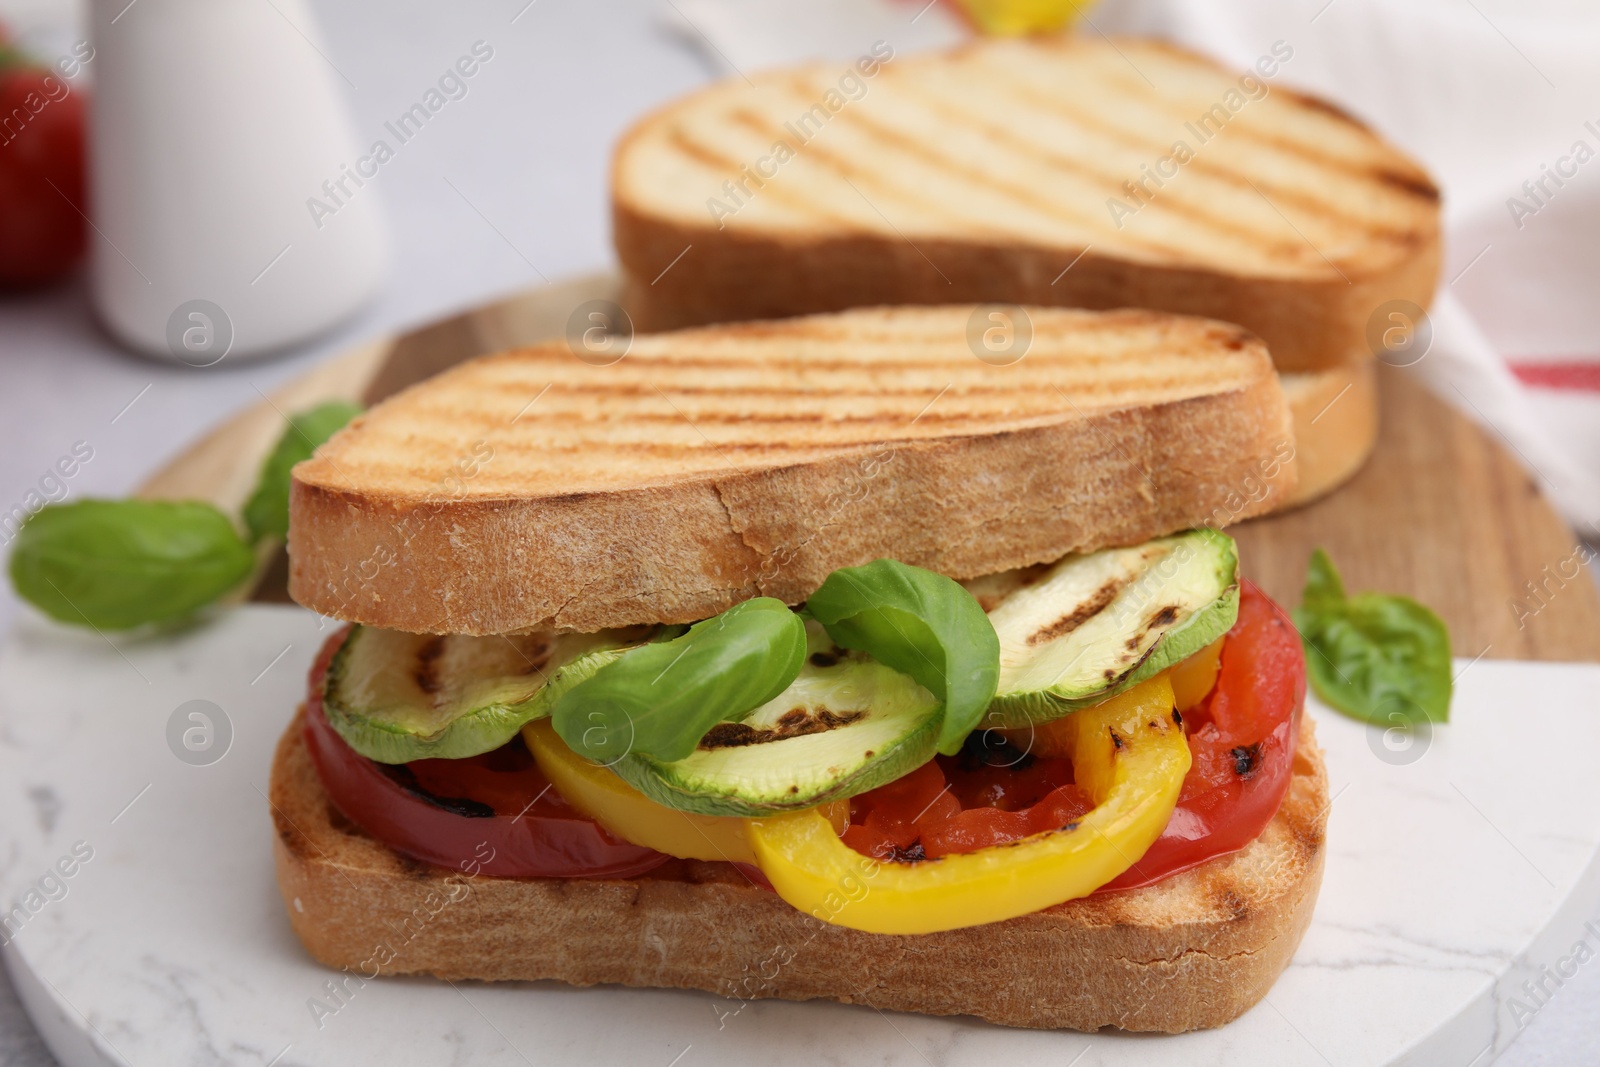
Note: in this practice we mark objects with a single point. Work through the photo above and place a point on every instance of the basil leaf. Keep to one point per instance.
(1324, 591)
(922, 624)
(659, 700)
(116, 564)
(266, 513)
(1373, 656)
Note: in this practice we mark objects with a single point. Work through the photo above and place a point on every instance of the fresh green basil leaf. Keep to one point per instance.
(659, 700)
(1373, 656)
(922, 624)
(266, 513)
(1324, 589)
(116, 564)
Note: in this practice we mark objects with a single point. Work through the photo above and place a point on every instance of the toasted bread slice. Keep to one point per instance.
(1335, 425)
(531, 490)
(1194, 951)
(1043, 171)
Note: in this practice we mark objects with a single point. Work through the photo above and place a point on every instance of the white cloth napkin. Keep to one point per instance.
(1489, 94)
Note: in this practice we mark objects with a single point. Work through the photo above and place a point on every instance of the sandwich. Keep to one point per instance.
(815, 658)
(1069, 171)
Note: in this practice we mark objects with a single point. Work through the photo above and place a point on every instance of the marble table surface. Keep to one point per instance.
(1455, 874)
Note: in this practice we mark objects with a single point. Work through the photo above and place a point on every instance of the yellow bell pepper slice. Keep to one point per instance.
(1191, 680)
(1196, 676)
(634, 817)
(1129, 753)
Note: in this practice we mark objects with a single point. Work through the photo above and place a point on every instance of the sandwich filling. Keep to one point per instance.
(901, 754)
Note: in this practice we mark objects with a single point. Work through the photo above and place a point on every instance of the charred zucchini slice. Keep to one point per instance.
(1096, 624)
(396, 697)
(845, 725)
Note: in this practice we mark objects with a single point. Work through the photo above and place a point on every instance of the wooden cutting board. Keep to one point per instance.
(1441, 512)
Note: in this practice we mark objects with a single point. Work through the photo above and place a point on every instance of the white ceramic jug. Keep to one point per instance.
(214, 126)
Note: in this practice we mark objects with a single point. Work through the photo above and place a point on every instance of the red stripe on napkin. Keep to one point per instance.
(1562, 374)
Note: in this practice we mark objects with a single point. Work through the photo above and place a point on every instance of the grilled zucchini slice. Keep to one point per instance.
(845, 725)
(396, 697)
(1096, 624)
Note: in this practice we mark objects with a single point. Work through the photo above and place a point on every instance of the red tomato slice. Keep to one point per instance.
(494, 814)
(1242, 738)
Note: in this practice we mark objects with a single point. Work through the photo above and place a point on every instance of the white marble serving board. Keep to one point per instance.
(1452, 877)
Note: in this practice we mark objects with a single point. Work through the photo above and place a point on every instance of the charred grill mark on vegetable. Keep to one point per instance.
(1163, 617)
(406, 779)
(425, 671)
(1246, 758)
(1081, 614)
(912, 853)
(535, 651)
(797, 722)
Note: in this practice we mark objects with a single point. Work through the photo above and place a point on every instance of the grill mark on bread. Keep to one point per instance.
(751, 430)
(1226, 898)
(874, 365)
(1332, 208)
(1415, 184)
(1080, 614)
(1327, 107)
(409, 445)
(683, 138)
(1348, 175)
(896, 419)
(446, 412)
(1020, 194)
(992, 408)
(763, 127)
(1307, 149)
(846, 168)
(1195, 204)
(1197, 207)
(866, 389)
(797, 722)
(976, 225)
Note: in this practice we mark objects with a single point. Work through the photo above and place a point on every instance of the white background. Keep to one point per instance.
(528, 147)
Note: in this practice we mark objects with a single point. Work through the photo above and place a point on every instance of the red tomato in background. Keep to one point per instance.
(42, 175)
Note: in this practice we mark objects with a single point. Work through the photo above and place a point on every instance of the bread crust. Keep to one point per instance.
(1195, 951)
(1335, 426)
(1308, 324)
(1311, 319)
(986, 493)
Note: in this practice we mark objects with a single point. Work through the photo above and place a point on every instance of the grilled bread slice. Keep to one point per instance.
(532, 490)
(1043, 171)
(1193, 951)
(1335, 425)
